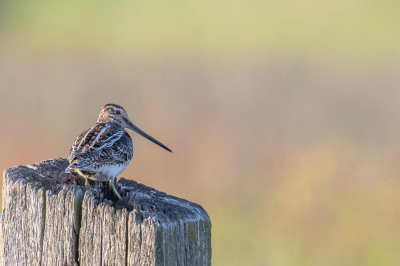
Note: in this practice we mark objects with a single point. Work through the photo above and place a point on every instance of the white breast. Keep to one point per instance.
(104, 173)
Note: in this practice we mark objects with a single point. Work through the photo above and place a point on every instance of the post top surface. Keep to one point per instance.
(50, 175)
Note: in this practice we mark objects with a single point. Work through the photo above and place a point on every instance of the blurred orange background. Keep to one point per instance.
(283, 116)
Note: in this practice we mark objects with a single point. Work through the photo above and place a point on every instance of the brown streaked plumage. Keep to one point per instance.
(105, 150)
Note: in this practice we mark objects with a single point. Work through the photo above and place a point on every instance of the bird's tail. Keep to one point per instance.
(76, 165)
(69, 168)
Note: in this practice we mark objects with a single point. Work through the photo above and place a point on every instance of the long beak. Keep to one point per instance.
(140, 132)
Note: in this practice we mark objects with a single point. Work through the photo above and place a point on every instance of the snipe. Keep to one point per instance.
(105, 150)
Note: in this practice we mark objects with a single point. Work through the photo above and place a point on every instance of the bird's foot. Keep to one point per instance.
(87, 186)
(112, 186)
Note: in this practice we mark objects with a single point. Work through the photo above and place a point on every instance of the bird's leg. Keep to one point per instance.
(87, 186)
(112, 186)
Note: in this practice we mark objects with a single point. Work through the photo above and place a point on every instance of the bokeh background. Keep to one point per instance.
(283, 115)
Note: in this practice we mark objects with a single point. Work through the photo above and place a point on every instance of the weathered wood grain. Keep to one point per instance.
(103, 236)
(62, 226)
(165, 230)
(1, 242)
(32, 195)
(49, 220)
(23, 217)
(146, 227)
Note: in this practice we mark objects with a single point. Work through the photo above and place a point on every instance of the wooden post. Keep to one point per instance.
(48, 219)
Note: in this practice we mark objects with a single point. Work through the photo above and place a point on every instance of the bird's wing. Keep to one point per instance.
(119, 152)
(75, 145)
(91, 144)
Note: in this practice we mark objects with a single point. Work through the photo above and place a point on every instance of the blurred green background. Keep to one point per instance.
(283, 115)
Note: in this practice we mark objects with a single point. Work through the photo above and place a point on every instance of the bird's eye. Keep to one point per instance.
(118, 112)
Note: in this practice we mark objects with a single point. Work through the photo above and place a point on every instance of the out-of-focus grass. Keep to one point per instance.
(294, 164)
(362, 30)
(320, 212)
(282, 115)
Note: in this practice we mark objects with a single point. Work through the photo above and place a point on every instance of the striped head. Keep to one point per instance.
(113, 113)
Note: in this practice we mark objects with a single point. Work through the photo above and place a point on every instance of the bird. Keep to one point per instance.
(104, 151)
